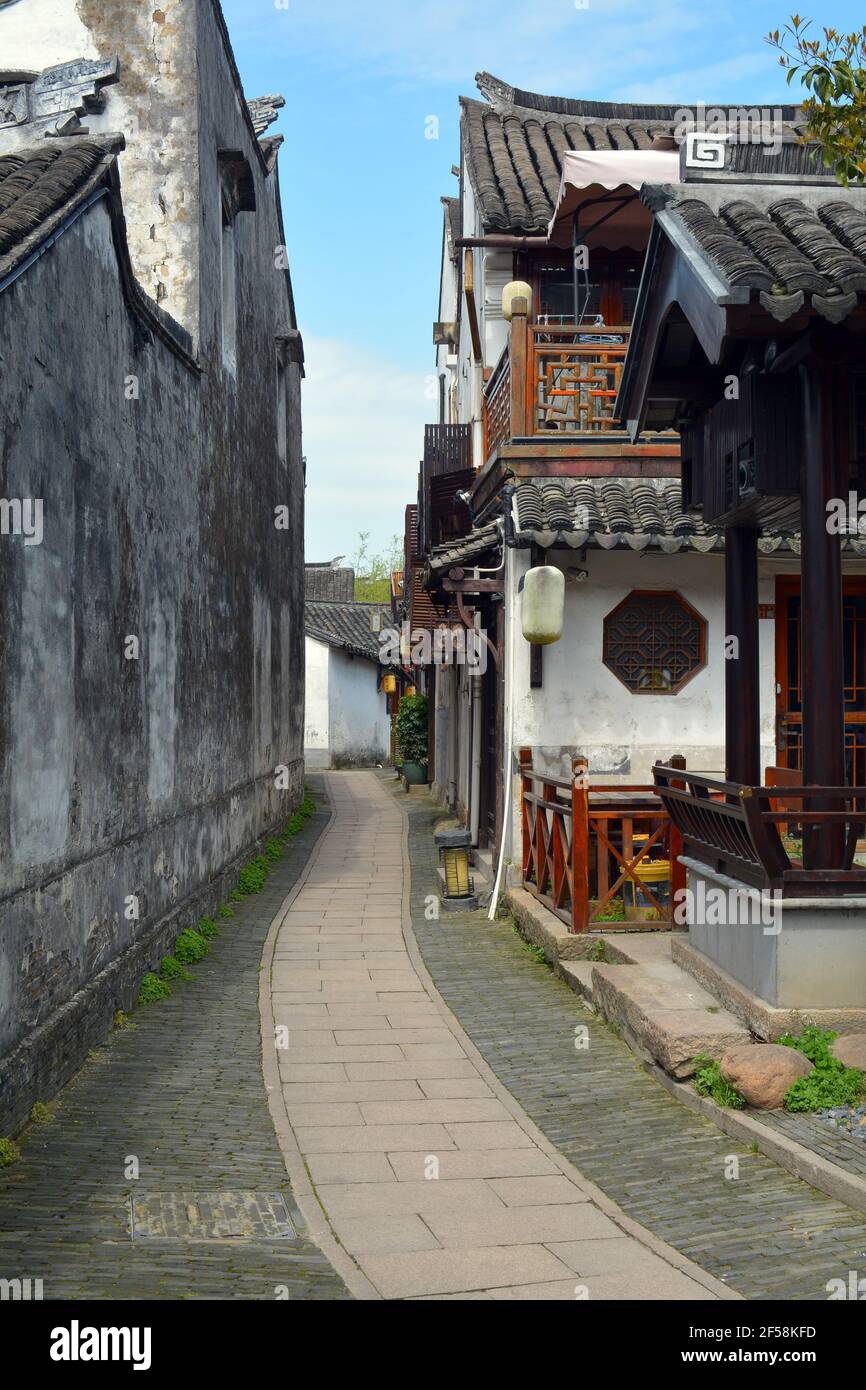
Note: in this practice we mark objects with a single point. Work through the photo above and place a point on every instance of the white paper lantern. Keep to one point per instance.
(516, 289)
(543, 605)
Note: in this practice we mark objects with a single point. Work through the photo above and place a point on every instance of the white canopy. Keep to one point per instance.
(588, 174)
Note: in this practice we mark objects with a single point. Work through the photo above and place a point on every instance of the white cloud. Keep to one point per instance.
(363, 419)
(547, 45)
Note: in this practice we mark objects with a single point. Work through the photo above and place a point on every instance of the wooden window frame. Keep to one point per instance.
(677, 597)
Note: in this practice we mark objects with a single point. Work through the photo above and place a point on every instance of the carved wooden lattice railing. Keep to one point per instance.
(579, 846)
(575, 375)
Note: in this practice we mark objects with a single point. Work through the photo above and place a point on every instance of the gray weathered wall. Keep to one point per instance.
(151, 777)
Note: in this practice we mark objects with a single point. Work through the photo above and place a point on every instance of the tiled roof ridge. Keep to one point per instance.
(42, 184)
(500, 94)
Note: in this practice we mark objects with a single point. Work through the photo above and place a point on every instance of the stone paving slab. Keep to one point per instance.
(766, 1234)
(428, 1173)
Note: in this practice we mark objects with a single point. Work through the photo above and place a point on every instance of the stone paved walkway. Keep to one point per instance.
(430, 1175)
(183, 1092)
(766, 1234)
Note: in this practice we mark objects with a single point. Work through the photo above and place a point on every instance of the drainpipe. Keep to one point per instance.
(475, 793)
(507, 649)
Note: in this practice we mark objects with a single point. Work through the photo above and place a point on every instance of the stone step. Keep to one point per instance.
(664, 1014)
(577, 974)
(637, 947)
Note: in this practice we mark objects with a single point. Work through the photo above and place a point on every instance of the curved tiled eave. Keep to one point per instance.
(790, 254)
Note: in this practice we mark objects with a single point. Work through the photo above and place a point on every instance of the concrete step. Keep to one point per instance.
(664, 1014)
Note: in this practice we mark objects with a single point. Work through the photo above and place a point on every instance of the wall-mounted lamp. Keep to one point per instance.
(543, 605)
(389, 684)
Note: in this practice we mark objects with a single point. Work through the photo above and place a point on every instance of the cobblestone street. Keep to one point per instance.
(182, 1092)
(499, 1162)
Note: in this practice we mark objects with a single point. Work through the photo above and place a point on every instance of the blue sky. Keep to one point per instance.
(361, 183)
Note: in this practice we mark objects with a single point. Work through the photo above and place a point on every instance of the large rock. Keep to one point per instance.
(764, 1072)
(850, 1050)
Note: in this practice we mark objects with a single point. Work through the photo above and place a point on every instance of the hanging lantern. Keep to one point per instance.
(543, 605)
(516, 289)
(389, 684)
(410, 690)
(453, 846)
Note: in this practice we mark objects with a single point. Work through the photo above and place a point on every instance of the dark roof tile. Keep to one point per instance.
(37, 184)
(345, 625)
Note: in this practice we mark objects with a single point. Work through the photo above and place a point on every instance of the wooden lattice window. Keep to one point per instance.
(654, 642)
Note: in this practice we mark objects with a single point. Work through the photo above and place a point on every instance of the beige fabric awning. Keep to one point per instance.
(590, 174)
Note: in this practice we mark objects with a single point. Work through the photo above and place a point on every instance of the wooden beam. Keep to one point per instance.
(473, 586)
(742, 707)
(469, 292)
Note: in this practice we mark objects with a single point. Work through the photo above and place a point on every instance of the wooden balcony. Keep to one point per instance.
(553, 389)
(800, 841)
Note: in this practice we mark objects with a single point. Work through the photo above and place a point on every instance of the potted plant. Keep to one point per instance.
(411, 729)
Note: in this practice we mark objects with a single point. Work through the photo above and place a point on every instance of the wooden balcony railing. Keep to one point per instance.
(497, 406)
(575, 373)
(582, 845)
(761, 835)
(552, 377)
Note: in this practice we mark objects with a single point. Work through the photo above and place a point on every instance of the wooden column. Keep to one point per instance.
(821, 659)
(518, 356)
(742, 707)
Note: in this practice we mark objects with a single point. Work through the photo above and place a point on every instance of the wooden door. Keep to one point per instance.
(789, 707)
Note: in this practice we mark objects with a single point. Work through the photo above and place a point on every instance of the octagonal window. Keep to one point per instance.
(654, 642)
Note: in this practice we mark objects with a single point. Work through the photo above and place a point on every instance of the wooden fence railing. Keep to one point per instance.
(497, 406)
(762, 835)
(583, 843)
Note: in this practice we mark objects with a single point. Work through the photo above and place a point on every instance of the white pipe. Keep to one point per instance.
(475, 785)
(507, 655)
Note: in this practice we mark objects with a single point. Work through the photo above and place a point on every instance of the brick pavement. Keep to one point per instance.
(765, 1234)
(183, 1092)
(430, 1176)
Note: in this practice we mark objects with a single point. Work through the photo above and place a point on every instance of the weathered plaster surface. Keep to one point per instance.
(144, 778)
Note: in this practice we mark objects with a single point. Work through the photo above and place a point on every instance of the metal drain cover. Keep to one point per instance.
(210, 1216)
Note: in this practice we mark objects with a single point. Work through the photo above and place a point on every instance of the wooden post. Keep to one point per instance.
(742, 708)
(678, 870)
(820, 624)
(518, 357)
(579, 845)
(525, 761)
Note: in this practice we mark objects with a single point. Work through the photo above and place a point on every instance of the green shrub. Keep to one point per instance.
(9, 1153)
(40, 1114)
(273, 850)
(831, 1083)
(710, 1082)
(224, 911)
(207, 928)
(190, 947)
(151, 989)
(410, 727)
(171, 969)
(251, 878)
(121, 1019)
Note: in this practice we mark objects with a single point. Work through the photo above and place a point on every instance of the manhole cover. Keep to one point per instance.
(210, 1216)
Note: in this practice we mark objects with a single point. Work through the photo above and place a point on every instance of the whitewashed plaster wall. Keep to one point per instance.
(316, 719)
(360, 727)
(346, 721)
